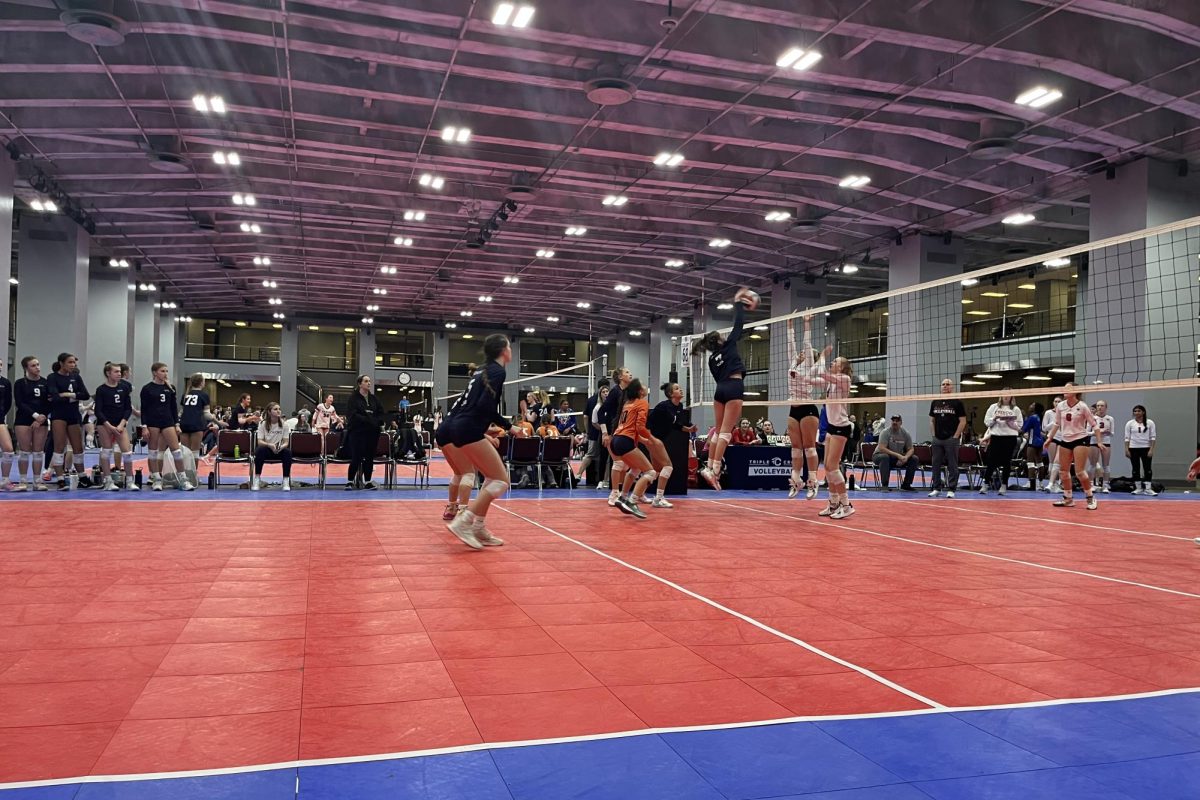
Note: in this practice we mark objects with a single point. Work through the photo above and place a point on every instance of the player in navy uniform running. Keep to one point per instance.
(32, 397)
(6, 442)
(160, 414)
(66, 423)
(728, 370)
(113, 409)
(463, 431)
(193, 420)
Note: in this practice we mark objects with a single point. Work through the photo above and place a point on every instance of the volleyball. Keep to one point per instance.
(748, 297)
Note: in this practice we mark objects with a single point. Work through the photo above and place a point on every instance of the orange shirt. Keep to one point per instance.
(633, 420)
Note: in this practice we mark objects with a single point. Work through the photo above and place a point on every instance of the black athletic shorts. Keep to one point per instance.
(70, 416)
(191, 430)
(839, 430)
(798, 413)
(732, 389)
(1084, 442)
(621, 445)
(440, 437)
(459, 435)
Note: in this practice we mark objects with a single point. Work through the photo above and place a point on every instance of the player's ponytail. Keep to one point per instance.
(708, 343)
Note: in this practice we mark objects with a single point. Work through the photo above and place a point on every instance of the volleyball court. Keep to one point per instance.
(737, 645)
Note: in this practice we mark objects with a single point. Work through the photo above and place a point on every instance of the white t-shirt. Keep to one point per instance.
(1104, 429)
(1140, 435)
(1073, 421)
(1002, 420)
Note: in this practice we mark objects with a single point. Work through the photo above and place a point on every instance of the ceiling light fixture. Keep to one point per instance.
(1037, 377)
(378, 290)
(244, 200)
(675, 262)
(719, 243)
(969, 281)
(725, 307)
(1020, 218)
(432, 181)
(279, 315)
(368, 320)
(994, 294)
(979, 313)
(617, 200)
(674, 321)
(552, 319)
(388, 270)
(545, 253)
(1054, 263)
(213, 103)
(1038, 97)
(402, 241)
(466, 313)
(849, 269)
(452, 325)
(269, 284)
(575, 231)
(1020, 305)
(798, 59)
(583, 304)
(508, 13)
(854, 181)
(1027, 286)
(485, 298)
(250, 227)
(275, 301)
(602, 342)
(262, 261)
(372, 307)
(120, 263)
(622, 287)
(414, 216)
(44, 206)
(762, 327)
(668, 159)
(530, 330)
(989, 376)
(635, 333)
(223, 158)
(511, 279)
(777, 216)
(451, 133)
(1064, 370)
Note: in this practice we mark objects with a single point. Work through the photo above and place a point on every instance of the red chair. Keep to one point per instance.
(233, 447)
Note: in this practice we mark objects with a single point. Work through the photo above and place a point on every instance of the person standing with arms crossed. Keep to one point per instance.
(947, 419)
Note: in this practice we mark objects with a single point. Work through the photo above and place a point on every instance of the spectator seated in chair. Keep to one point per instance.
(274, 437)
(895, 449)
(744, 434)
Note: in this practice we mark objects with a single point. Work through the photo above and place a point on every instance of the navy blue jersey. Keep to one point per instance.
(664, 418)
(194, 403)
(113, 403)
(592, 433)
(728, 361)
(6, 398)
(58, 384)
(610, 409)
(31, 397)
(159, 409)
(479, 404)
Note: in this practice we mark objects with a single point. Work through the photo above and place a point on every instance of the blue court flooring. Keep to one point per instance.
(1131, 749)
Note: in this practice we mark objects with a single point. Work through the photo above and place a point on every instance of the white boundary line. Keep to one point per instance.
(1051, 520)
(473, 748)
(843, 527)
(763, 626)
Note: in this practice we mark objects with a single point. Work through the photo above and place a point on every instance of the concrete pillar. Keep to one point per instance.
(633, 353)
(108, 323)
(924, 328)
(441, 369)
(786, 298)
(53, 296)
(130, 322)
(662, 355)
(289, 360)
(1136, 312)
(366, 352)
(145, 341)
(512, 391)
(7, 176)
(166, 345)
(697, 370)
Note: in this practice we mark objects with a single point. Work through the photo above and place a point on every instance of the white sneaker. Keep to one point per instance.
(950, 495)
(131, 485)
(109, 486)
(1104, 490)
(1003, 491)
(1137, 488)
(255, 485)
(186, 485)
(612, 498)
(842, 512)
(982, 490)
(602, 485)
(287, 484)
(1092, 505)
(828, 510)
(661, 502)
(934, 493)
(1149, 491)
(464, 529)
(810, 491)
(487, 538)
(793, 488)
(710, 478)
(156, 484)
(640, 499)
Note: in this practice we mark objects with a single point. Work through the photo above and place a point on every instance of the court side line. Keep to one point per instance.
(1038, 519)
(763, 626)
(590, 737)
(840, 526)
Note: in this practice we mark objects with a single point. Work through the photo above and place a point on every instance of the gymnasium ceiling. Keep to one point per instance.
(337, 108)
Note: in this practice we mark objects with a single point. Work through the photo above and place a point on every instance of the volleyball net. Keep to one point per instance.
(1118, 315)
(548, 387)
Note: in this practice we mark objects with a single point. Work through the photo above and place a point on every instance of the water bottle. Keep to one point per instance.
(137, 478)
(237, 451)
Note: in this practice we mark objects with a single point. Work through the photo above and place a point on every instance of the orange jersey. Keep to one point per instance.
(633, 420)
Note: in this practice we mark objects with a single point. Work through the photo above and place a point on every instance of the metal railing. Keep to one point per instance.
(538, 366)
(1012, 326)
(232, 352)
(404, 360)
(327, 363)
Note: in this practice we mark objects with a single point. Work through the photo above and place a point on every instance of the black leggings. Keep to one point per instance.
(1140, 458)
(265, 454)
(362, 454)
(999, 457)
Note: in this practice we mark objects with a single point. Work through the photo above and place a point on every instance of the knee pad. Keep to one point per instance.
(725, 436)
(455, 481)
(177, 454)
(835, 476)
(105, 454)
(495, 487)
(56, 460)
(810, 452)
(619, 466)
(1031, 465)
(666, 471)
(798, 452)
(467, 481)
(650, 475)
(127, 457)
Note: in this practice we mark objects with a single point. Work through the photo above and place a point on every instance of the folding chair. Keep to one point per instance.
(383, 456)
(333, 443)
(866, 456)
(924, 454)
(307, 449)
(228, 443)
(969, 463)
(525, 452)
(556, 454)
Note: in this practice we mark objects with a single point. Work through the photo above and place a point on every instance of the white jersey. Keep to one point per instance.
(1048, 421)
(837, 387)
(1073, 421)
(1104, 429)
(804, 385)
(1140, 435)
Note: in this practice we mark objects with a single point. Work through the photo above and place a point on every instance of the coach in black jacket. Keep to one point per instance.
(364, 421)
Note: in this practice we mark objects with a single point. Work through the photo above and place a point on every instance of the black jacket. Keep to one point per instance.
(366, 413)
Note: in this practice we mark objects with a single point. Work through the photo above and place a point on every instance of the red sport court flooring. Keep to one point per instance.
(346, 645)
